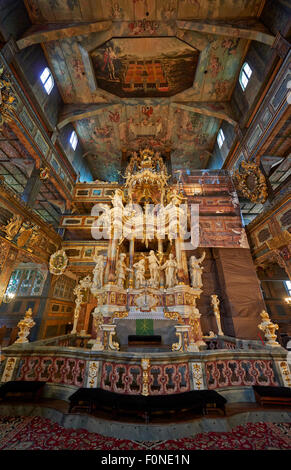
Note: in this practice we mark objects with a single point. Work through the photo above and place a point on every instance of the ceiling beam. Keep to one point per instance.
(249, 28)
(52, 32)
(76, 112)
(219, 110)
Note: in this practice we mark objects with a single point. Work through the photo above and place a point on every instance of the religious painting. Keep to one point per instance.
(145, 67)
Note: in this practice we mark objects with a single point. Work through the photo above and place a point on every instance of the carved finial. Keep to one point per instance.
(269, 328)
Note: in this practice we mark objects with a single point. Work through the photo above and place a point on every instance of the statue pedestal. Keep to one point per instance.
(111, 298)
(97, 345)
(182, 299)
(109, 331)
(182, 332)
(145, 303)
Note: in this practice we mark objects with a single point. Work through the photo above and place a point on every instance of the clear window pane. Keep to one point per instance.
(247, 70)
(37, 285)
(45, 74)
(26, 284)
(245, 75)
(244, 80)
(49, 85)
(73, 140)
(47, 80)
(13, 282)
(220, 138)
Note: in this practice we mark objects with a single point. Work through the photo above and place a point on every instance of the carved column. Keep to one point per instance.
(8, 262)
(160, 250)
(131, 255)
(179, 260)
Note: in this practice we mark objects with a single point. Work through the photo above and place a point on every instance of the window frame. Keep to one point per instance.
(74, 140)
(220, 138)
(245, 75)
(48, 79)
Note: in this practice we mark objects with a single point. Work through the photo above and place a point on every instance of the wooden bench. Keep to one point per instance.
(90, 399)
(21, 388)
(272, 395)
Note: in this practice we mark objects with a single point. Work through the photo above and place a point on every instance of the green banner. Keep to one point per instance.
(145, 327)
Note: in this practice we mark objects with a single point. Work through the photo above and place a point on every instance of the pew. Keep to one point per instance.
(198, 401)
(21, 388)
(266, 395)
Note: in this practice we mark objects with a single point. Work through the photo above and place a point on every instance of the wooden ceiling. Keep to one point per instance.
(171, 89)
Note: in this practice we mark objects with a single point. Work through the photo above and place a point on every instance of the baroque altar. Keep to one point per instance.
(146, 274)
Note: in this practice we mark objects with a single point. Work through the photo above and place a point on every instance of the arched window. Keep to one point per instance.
(245, 75)
(73, 140)
(47, 80)
(220, 138)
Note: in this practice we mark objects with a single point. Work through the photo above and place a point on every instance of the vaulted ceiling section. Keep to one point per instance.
(134, 73)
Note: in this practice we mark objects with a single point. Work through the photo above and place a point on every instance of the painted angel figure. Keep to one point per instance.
(170, 267)
(196, 270)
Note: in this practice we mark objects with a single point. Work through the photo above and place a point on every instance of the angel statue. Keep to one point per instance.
(154, 267)
(139, 273)
(196, 270)
(170, 267)
(121, 269)
(98, 271)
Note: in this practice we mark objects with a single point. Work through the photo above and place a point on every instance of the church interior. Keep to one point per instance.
(145, 224)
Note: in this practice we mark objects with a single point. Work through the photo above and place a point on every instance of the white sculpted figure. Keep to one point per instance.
(116, 199)
(121, 269)
(98, 272)
(139, 273)
(196, 270)
(170, 267)
(215, 303)
(154, 267)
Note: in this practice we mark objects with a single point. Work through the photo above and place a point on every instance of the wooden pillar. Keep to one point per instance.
(7, 265)
(240, 292)
(131, 256)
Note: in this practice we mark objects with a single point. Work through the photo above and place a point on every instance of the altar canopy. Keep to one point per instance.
(177, 261)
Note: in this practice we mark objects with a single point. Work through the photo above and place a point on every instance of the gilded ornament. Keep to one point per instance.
(6, 99)
(174, 316)
(12, 227)
(269, 329)
(251, 182)
(25, 326)
(58, 262)
(145, 365)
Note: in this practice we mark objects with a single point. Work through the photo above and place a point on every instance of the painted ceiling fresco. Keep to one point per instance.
(42, 11)
(149, 81)
(145, 67)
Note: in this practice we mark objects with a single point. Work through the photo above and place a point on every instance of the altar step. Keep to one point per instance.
(146, 348)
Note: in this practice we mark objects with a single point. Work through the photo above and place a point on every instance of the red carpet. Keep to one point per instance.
(35, 433)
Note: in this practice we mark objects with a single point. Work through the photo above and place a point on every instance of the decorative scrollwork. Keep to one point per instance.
(6, 98)
(174, 316)
(58, 262)
(251, 182)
